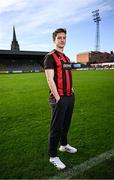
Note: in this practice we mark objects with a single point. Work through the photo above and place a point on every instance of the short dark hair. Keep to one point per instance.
(59, 30)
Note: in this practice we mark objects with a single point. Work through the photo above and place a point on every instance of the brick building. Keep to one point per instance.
(95, 57)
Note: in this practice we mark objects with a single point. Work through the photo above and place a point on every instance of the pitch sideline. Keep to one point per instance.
(78, 169)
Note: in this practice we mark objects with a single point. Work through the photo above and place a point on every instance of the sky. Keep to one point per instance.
(35, 21)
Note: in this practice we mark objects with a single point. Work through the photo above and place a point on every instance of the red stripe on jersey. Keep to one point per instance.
(68, 85)
(70, 71)
(59, 75)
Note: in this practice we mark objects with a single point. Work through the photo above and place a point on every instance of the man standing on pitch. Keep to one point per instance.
(59, 76)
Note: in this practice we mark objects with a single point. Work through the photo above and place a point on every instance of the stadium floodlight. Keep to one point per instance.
(97, 19)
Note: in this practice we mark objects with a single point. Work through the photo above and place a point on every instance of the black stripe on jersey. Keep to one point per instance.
(70, 82)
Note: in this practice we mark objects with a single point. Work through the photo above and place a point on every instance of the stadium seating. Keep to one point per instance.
(21, 67)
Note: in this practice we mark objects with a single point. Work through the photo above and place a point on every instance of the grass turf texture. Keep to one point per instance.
(25, 120)
(104, 170)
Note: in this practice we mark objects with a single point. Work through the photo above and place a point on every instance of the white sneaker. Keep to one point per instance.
(68, 148)
(57, 162)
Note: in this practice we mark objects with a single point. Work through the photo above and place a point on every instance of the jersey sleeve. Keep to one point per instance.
(49, 62)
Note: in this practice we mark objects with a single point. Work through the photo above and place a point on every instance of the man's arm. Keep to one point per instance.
(50, 75)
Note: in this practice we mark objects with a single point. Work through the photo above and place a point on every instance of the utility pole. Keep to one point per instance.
(97, 19)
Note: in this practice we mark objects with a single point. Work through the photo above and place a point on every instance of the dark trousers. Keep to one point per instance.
(61, 119)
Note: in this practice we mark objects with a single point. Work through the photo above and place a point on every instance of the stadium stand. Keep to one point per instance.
(15, 60)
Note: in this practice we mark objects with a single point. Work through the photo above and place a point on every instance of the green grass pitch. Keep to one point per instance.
(25, 120)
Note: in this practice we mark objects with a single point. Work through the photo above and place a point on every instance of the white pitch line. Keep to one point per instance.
(78, 169)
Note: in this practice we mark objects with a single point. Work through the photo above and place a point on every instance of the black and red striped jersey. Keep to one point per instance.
(62, 72)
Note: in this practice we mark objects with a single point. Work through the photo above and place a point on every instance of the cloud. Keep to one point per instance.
(37, 18)
(11, 5)
(30, 15)
(37, 13)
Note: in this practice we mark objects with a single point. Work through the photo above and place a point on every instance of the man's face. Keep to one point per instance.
(60, 40)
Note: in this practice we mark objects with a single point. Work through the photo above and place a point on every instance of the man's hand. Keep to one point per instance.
(57, 99)
(72, 90)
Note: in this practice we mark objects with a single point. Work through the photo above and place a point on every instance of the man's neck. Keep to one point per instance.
(59, 49)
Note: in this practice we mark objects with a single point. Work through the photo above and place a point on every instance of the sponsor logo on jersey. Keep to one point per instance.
(67, 66)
